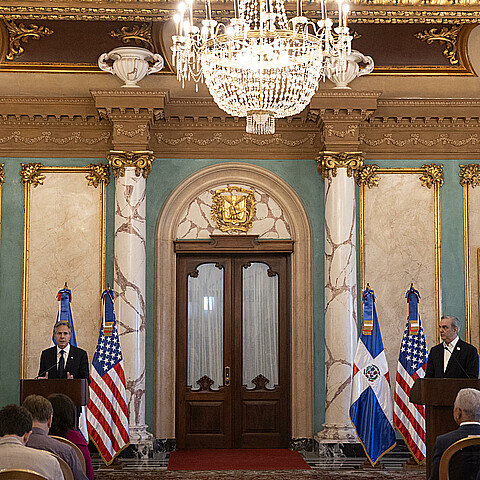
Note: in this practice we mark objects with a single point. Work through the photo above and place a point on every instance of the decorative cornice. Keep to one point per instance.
(470, 175)
(367, 175)
(433, 174)
(48, 137)
(30, 174)
(120, 130)
(141, 160)
(446, 36)
(137, 34)
(416, 139)
(329, 162)
(247, 138)
(99, 173)
(18, 33)
(2, 173)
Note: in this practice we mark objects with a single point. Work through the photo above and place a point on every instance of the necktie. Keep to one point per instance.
(61, 365)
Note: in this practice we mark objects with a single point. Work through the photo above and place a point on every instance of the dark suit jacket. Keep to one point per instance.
(444, 441)
(76, 365)
(462, 364)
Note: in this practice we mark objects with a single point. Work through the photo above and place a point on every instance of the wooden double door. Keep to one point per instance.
(233, 350)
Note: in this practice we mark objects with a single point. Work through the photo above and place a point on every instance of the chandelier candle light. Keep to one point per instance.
(261, 66)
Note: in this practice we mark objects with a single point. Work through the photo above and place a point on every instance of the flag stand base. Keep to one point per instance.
(115, 465)
(367, 465)
(413, 465)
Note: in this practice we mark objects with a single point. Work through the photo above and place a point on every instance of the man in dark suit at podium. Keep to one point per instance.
(453, 358)
(63, 360)
(466, 412)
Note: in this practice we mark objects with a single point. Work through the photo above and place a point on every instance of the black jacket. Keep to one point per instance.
(462, 364)
(76, 364)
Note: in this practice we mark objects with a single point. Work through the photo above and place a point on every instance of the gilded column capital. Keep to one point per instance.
(470, 175)
(30, 173)
(2, 173)
(432, 175)
(99, 173)
(141, 160)
(329, 162)
(367, 175)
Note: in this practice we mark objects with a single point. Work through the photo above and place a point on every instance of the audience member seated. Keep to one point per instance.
(42, 412)
(63, 425)
(466, 412)
(15, 429)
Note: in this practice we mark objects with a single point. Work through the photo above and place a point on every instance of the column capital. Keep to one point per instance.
(329, 162)
(141, 160)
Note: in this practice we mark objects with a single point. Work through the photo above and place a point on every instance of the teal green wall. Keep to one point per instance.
(165, 176)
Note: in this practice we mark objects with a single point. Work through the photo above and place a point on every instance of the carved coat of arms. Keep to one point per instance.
(233, 208)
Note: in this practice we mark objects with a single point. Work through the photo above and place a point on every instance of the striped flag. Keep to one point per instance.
(412, 364)
(107, 412)
(371, 410)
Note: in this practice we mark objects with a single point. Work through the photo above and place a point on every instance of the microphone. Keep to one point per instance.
(44, 372)
(458, 363)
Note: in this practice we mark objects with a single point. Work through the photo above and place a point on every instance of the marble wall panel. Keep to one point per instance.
(474, 262)
(65, 246)
(399, 250)
(269, 222)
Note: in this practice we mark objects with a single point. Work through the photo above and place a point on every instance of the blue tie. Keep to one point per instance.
(61, 365)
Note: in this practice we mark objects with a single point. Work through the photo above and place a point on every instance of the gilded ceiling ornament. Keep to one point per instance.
(30, 174)
(433, 174)
(447, 36)
(233, 208)
(21, 33)
(470, 175)
(141, 160)
(99, 173)
(367, 175)
(2, 173)
(137, 34)
(329, 162)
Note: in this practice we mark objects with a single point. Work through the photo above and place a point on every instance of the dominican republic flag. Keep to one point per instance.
(412, 364)
(107, 411)
(371, 410)
(64, 297)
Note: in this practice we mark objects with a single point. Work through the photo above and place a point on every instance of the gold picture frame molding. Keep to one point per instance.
(420, 172)
(35, 180)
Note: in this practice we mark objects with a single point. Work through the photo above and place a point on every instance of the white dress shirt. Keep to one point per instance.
(65, 355)
(447, 352)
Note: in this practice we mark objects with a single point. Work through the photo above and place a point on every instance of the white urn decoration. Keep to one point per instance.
(341, 77)
(130, 64)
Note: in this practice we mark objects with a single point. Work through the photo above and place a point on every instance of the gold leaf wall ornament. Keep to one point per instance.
(2, 173)
(99, 173)
(141, 160)
(367, 175)
(470, 175)
(447, 36)
(140, 35)
(18, 33)
(233, 208)
(433, 174)
(30, 173)
(329, 162)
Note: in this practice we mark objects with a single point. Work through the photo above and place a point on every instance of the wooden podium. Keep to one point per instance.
(438, 396)
(76, 389)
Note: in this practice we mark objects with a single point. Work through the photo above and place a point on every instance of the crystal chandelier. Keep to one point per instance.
(261, 66)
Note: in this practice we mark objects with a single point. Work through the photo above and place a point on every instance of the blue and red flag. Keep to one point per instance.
(64, 297)
(412, 364)
(371, 410)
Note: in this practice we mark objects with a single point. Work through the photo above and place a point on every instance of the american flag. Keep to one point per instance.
(412, 364)
(107, 412)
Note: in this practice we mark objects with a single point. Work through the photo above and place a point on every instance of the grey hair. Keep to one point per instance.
(468, 400)
(454, 320)
(60, 324)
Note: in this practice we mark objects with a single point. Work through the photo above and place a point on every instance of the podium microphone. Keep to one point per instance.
(458, 363)
(44, 372)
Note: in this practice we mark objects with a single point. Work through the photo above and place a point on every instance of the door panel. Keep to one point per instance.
(233, 351)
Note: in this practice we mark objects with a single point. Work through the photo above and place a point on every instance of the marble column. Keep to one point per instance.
(340, 292)
(131, 171)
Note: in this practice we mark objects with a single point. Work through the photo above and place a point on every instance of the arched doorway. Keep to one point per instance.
(169, 219)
